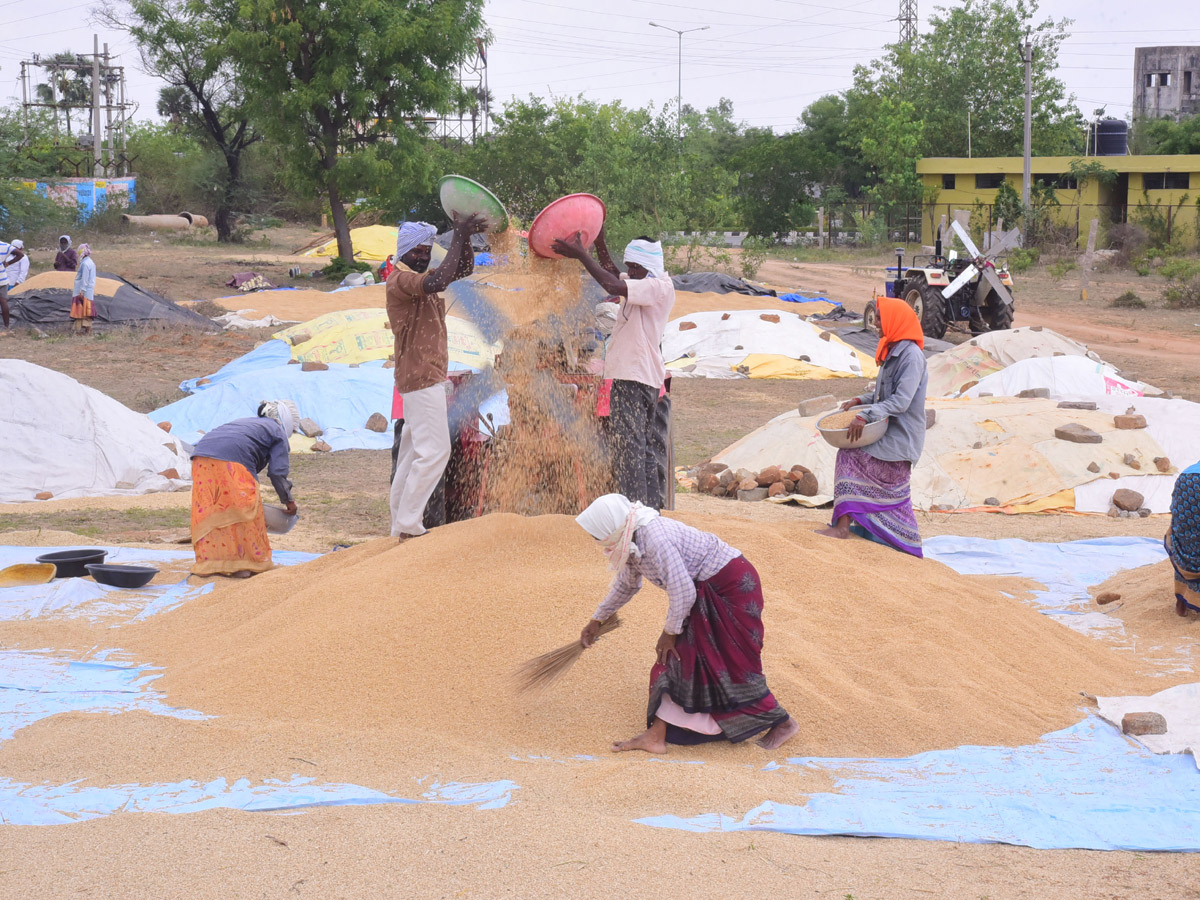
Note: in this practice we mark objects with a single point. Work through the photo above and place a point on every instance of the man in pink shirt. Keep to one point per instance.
(634, 357)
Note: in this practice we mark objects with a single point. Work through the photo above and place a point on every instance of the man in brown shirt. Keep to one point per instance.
(417, 316)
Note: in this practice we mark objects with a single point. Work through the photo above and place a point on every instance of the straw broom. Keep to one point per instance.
(542, 671)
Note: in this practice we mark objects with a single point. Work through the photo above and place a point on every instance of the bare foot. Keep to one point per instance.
(834, 532)
(244, 573)
(779, 734)
(1180, 606)
(652, 740)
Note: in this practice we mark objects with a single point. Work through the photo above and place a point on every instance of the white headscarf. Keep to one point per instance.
(612, 520)
(18, 244)
(285, 412)
(67, 238)
(413, 235)
(648, 255)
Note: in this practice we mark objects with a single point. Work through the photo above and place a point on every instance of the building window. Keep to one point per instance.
(989, 182)
(1166, 181)
(1162, 79)
(1187, 82)
(1059, 182)
(1149, 79)
(947, 182)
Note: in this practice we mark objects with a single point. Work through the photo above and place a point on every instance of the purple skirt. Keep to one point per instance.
(875, 494)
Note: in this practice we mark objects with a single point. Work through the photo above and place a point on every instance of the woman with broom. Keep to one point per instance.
(707, 683)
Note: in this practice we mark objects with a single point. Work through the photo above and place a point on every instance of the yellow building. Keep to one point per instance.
(1170, 183)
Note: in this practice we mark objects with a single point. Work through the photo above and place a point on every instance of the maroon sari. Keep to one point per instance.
(719, 669)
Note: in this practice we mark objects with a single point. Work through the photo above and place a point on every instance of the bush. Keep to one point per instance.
(1022, 260)
(1129, 300)
(338, 268)
(754, 254)
(1180, 269)
(1130, 241)
(1183, 295)
(1061, 268)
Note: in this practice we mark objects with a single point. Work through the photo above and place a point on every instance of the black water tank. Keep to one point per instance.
(1112, 137)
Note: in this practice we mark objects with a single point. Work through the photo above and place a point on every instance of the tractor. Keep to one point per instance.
(945, 289)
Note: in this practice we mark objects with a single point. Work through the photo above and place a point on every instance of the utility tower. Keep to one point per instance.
(92, 84)
(908, 20)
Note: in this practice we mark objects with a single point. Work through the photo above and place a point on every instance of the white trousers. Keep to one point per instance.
(424, 452)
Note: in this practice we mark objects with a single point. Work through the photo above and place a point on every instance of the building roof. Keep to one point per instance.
(1042, 165)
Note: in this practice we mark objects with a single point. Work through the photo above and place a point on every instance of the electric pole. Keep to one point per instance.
(908, 21)
(679, 89)
(1026, 183)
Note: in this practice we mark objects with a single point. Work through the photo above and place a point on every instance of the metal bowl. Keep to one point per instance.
(838, 436)
(122, 576)
(70, 563)
(278, 520)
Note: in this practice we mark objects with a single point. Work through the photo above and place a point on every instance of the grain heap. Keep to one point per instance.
(1144, 600)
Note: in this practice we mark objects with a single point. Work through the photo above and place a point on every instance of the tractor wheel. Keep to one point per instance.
(871, 318)
(929, 305)
(996, 315)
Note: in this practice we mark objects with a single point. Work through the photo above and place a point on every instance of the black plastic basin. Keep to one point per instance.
(70, 563)
(121, 576)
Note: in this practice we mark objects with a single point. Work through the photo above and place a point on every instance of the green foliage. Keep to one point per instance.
(1061, 268)
(1023, 259)
(890, 150)
(339, 268)
(1160, 223)
(1129, 300)
(754, 254)
(1158, 136)
(334, 82)
(1085, 170)
(969, 59)
(1008, 205)
(1179, 269)
(1183, 283)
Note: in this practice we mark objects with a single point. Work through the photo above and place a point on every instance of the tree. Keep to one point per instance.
(334, 83)
(1167, 136)
(183, 43)
(969, 61)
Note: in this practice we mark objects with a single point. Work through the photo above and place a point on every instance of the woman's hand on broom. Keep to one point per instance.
(666, 648)
(587, 637)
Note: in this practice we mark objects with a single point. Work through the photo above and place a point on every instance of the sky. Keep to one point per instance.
(770, 57)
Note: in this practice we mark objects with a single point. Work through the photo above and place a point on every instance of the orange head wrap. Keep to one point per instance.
(898, 323)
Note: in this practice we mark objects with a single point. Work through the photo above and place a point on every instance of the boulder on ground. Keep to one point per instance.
(321, 447)
(807, 485)
(777, 490)
(1130, 501)
(309, 428)
(747, 484)
(757, 493)
(1077, 434)
(789, 486)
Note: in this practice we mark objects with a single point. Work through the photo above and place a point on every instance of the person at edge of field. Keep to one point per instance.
(417, 316)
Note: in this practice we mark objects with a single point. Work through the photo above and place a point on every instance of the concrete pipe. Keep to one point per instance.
(164, 223)
(197, 220)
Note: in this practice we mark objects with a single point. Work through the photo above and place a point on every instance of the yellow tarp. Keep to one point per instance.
(772, 365)
(374, 243)
(362, 335)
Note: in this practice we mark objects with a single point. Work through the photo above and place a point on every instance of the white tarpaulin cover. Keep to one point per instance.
(1179, 705)
(1074, 376)
(60, 436)
(719, 339)
(954, 369)
(1000, 448)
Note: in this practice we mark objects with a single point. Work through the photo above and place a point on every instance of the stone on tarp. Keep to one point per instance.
(1132, 461)
(1129, 422)
(1077, 434)
(1077, 404)
(1034, 393)
(309, 428)
(165, 426)
(769, 317)
(930, 418)
(321, 447)
(777, 489)
(293, 362)
(817, 405)
(1136, 723)
(1130, 501)
(758, 493)
(789, 486)
(1163, 464)
(807, 485)
(991, 501)
(769, 476)
(42, 495)
(300, 337)
(1094, 468)
(170, 473)
(377, 422)
(747, 484)
(313, 366)
(824, 335)
(686, 326)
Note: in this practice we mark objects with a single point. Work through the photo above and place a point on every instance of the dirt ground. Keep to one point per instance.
(367, 852)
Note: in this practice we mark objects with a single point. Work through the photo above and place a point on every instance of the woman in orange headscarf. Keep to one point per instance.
(871, 496)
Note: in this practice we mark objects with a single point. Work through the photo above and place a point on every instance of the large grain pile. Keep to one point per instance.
(1143, 599)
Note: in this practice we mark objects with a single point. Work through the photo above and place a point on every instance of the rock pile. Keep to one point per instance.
(718, 480)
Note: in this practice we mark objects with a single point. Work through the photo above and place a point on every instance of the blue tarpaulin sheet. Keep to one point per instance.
(1086, 787)
(800, 298)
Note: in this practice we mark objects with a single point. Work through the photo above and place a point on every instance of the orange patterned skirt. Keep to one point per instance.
(229, 532)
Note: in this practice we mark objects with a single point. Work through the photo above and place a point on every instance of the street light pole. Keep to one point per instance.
(679, 89)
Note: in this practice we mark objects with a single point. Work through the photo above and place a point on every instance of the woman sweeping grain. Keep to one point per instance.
(1183, 540)
(229, 530)
(871, 494)
(707, 682)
